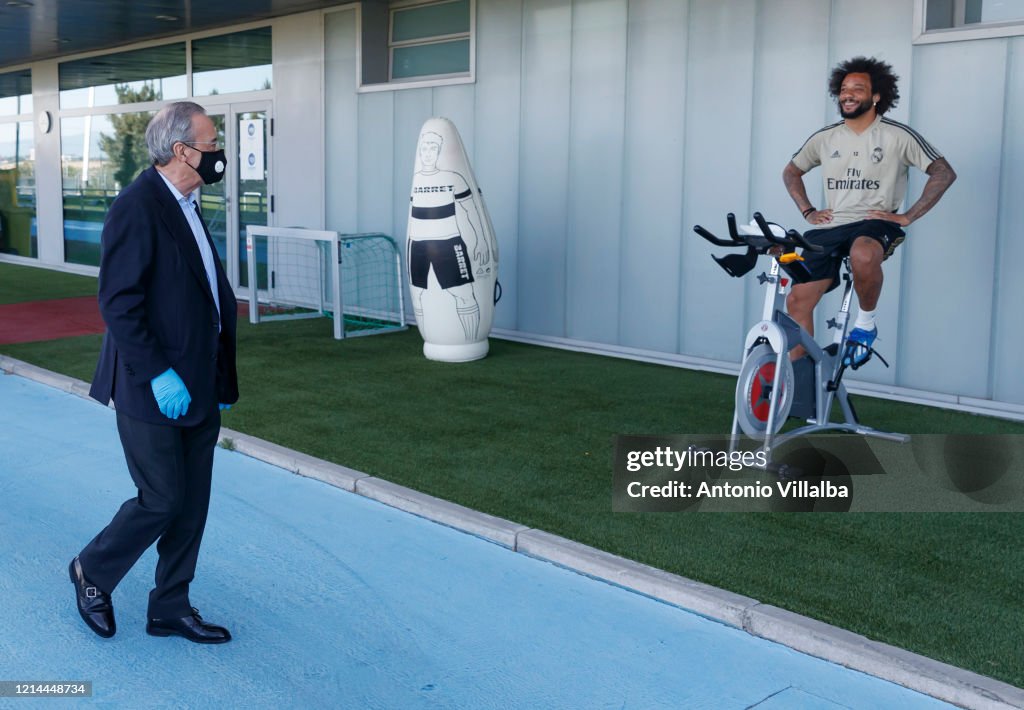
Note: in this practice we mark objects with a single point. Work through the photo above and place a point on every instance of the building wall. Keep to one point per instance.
(602, 130)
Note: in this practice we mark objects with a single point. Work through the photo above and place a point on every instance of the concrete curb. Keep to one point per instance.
(830, 643)
(294, 461)
(704, 599)
(940, 680)
(489, 527)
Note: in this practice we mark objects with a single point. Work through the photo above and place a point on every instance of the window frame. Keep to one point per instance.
(14, 69)
(30, 119)
(393, 84)
(205, 101)
(987, 30)
(191, 73)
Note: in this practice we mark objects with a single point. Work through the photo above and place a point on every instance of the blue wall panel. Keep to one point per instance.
(652, 183)
(456, 103)
(375, 138)
(341, 162)
(412, 108)
(788, 93)
(873, 28)
(598, 87)
(950, 260)
(716, 169)
(544, 165)
(496, 154)
(882, 29)
(1008, 338)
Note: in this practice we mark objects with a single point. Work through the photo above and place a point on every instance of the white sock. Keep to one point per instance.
(865, 320)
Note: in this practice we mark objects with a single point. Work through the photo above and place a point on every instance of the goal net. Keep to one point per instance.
(355, 279)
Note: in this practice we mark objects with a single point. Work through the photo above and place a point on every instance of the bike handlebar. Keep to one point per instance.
(761, 242)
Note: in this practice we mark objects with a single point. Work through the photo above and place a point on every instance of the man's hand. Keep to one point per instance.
(940, 177)
(172, 396)
(819, 216)
(900, 219)
(793, 179)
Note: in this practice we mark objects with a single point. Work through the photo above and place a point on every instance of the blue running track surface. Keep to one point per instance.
(337, 601)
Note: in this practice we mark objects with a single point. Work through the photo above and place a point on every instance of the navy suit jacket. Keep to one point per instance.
(158, 307)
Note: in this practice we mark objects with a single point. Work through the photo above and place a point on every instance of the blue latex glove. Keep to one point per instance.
(224, 406)
(171, 394)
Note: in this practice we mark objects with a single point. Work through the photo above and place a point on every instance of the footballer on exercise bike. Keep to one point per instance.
(864, 162)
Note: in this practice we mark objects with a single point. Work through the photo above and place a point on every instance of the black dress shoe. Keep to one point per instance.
(93, 604)
(191, 627)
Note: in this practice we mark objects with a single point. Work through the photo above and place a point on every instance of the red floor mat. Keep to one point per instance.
(49, 320)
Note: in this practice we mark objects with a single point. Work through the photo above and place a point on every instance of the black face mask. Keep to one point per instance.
(211, 165)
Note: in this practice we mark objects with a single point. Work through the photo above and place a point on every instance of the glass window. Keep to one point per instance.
(17, 190)
(16, 93)
(430, 40)
(957, 14)
(430, 21)
(240, 61)
(151, 74)
(100, 154)
(438, 58)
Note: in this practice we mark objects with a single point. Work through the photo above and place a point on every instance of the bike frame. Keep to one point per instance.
(782, 334)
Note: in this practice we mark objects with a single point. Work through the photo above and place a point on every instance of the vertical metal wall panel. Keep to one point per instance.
(871, 28)
(882, 29)
(341, 178)
(716, 169)
(544, 166)
(412, 108)
(1008, 336)
(949, 266)
(598, 87)
(297, 174)
(375, 135)
(456, 103)
(602, 130)
(788, 90)
(496, 154)
(652, 189)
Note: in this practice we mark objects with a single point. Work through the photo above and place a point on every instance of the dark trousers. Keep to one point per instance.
(172, 468)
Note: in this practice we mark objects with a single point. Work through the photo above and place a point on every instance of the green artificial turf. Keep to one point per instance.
(526, 434)
(19, 284)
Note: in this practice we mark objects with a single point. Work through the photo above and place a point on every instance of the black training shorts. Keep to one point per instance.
(838, 240)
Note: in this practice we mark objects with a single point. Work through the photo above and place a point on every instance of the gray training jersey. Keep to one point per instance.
(864, 172)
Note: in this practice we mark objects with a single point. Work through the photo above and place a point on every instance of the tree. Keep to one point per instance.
(126, 150)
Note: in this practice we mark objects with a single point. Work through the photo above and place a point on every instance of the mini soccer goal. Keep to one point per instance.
(356, 279)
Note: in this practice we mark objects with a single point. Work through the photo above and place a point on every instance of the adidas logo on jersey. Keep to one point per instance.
(835, 154)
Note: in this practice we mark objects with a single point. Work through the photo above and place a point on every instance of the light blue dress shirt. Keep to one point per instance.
(189, 209)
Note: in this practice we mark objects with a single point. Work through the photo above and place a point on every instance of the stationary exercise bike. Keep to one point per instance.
(771, 387)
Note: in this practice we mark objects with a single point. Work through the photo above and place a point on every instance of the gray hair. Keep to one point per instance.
(172, 124)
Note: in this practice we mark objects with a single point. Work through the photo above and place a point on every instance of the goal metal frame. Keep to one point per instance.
(334, 273)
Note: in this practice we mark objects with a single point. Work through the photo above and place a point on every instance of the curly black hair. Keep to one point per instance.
(883, 80)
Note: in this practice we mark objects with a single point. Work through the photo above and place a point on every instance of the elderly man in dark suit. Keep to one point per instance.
(168, 362)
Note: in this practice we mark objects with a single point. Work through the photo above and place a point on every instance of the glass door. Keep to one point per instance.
(243, 196)
(215, 202)
(250, 125)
